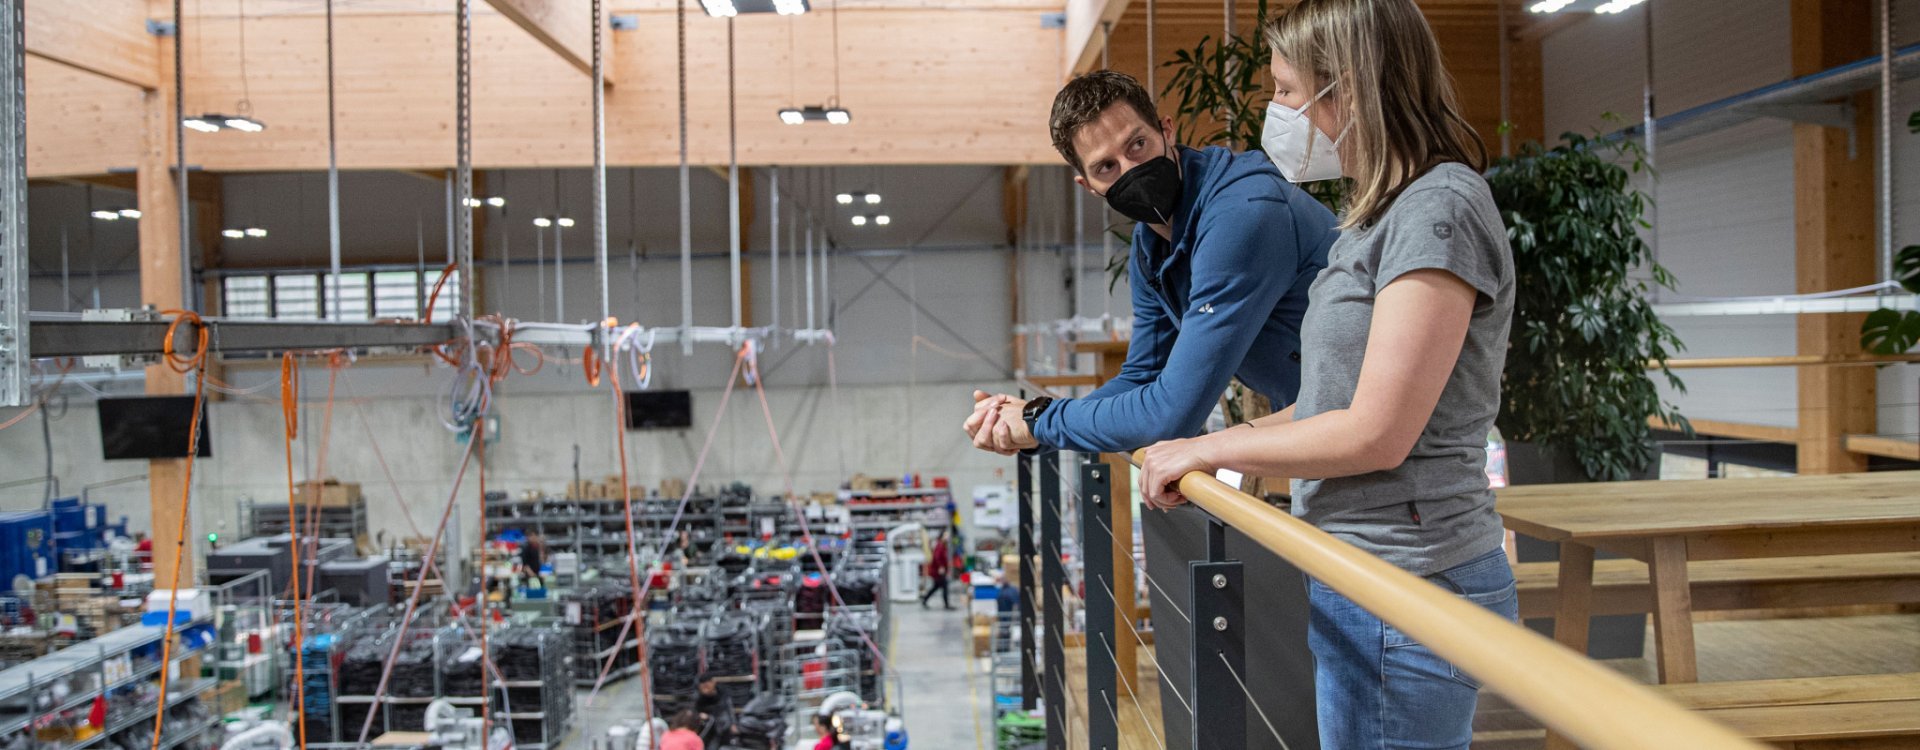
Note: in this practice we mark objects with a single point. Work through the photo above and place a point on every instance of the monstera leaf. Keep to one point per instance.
(1906, 268)
(1890, 331)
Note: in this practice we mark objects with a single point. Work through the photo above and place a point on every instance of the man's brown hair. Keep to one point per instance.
(1088, 95)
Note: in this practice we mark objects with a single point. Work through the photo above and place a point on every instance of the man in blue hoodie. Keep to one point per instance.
(1222, 257)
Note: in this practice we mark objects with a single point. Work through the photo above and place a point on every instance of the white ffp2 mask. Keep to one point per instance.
(1298, 148)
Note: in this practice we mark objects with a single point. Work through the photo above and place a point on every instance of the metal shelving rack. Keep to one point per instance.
(89, 661)
(879, 511)
(593, 526)
(334, 521)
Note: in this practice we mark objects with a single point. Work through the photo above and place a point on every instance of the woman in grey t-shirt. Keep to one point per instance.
(1401, 351)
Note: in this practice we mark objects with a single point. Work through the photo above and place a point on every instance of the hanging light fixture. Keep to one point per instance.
(248, 232)
(732, 8)
(244, 121)
(547, 221)
(861, 220)
(494, 201)
(830, 113)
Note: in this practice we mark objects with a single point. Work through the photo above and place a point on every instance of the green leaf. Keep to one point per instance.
(1890, 332)
(1906, 268)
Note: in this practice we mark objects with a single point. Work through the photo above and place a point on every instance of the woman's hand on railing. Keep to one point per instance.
(1163, 464)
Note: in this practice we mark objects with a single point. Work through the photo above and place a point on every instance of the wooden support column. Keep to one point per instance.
(1833, 238)
(158, 198)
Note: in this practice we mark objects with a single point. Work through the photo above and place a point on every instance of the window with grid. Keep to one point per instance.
(353, 295)
(364, 295)
(246, 297)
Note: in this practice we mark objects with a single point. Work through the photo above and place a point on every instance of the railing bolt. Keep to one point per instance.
(1096, 500)
(1220, 623)
(1219, 581)
(1096, 474)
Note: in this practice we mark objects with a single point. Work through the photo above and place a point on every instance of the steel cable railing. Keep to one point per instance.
(1572, 696)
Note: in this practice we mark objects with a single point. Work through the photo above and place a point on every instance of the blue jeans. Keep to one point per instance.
(1376, 689)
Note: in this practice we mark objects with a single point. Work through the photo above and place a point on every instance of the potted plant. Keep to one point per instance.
(1578, 389)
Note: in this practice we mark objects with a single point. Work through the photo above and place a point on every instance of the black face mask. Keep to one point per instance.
(1148, 193)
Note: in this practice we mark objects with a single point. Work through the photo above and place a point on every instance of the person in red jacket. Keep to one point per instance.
(939, 567)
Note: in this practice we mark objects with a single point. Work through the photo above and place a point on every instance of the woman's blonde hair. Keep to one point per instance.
(1403, 116)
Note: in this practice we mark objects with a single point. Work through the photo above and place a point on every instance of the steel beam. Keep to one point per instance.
(1096, 550)
(1053, 584)
(14, 335)
(76, 338)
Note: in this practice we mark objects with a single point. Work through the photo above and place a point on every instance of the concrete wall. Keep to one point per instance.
(1724, 222)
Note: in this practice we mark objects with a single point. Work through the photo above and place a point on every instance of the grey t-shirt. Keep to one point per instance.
(1434, 511)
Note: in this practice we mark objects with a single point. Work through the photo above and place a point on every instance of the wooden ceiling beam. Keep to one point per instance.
(564, 26)
(103, 37)
(1086, 35)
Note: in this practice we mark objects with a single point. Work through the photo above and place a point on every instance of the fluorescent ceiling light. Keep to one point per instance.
(815, 113)
(1549, 6)
(107, 215)
(1615, 6)
(202, 124)
(543, 222)
(564, 221)
(883, 220)
(129, 213)
(859, 221)
(232, 234)
(790, 7)
(256, 232)
(720, 8)
(474, 203)
(245, 124)
(873, 199)
(496, 201)
(844, 199)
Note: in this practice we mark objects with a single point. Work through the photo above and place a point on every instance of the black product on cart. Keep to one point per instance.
(762, 723)
(675, 656)
(733, 655)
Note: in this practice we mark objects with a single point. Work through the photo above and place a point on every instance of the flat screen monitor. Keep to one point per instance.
(150, 427)
(659, 410)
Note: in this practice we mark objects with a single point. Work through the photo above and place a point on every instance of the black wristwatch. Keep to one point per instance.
(1029, 414)
(1033, 410)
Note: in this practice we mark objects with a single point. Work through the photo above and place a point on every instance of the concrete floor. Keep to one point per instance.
(946, 697)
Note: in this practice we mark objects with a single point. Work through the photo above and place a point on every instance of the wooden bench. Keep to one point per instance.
(1864, 712)
(1620, 586)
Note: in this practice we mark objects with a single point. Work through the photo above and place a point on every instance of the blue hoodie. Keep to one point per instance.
(1225, 299)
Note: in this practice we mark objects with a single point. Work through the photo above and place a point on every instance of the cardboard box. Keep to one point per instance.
(673, 488)
(331, 493)
(982, 640)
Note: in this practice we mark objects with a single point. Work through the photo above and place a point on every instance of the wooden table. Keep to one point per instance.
(1666, 524)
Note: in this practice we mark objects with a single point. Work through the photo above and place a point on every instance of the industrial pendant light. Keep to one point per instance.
(831, 112)
(244, 121)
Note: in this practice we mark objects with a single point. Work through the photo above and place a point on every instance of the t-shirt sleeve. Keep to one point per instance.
(1438, 228)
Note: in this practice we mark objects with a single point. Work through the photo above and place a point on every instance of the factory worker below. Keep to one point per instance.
(1222, 255)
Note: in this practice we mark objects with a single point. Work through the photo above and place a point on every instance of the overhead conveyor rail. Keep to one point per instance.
(1807, 99)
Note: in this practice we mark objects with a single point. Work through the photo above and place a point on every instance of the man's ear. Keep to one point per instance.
(1166, 129)
(1082, 182)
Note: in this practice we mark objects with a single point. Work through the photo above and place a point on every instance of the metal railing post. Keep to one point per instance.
(1215, 597)
(1029, 676)
(1053, 577)
(1096, 549)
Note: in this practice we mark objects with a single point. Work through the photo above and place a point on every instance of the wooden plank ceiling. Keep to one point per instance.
(1468, 30)
(928, 82)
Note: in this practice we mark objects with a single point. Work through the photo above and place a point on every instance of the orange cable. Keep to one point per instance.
(182, 365)
(290, 411)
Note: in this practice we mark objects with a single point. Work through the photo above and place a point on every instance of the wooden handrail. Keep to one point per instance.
(1570, 694)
